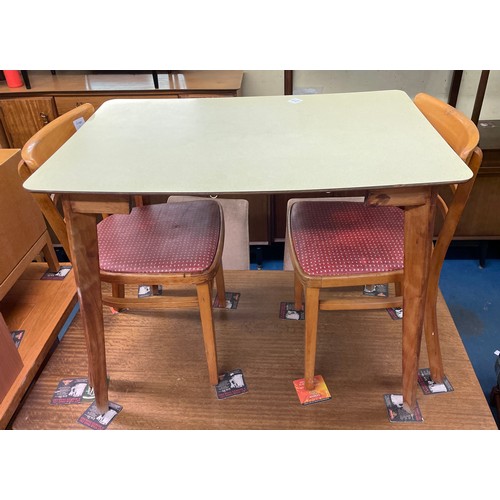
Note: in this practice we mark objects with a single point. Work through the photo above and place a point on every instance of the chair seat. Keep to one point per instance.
(164, 238)
(341, 238)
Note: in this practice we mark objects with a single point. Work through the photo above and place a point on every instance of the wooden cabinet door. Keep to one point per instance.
(258, 217)
(22, 118)
(10, 360)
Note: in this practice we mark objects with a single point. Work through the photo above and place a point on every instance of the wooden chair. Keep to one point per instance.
(346, 244)
(172, 245)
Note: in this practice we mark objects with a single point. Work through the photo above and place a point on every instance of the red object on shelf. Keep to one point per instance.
(13, 78)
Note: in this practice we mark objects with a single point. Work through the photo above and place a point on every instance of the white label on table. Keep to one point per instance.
(295, 100)
(79, 122)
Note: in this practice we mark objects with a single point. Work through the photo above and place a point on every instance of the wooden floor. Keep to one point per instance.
(157, 369)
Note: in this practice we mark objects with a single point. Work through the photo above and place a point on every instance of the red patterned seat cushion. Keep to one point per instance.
(334, 238)
(165, 238)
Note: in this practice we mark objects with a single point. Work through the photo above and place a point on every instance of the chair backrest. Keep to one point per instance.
(455, 128)
(51, 137)
(39, 149)
(462, 136)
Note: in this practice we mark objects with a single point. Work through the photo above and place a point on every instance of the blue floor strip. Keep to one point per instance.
(473, 297)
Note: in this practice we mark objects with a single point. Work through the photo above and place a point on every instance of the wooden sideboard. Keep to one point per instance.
(24, 111)
(480, 220)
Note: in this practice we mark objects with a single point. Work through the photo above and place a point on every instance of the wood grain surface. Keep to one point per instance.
(157, 369)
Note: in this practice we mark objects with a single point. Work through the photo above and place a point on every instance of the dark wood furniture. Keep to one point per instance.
(480, 219)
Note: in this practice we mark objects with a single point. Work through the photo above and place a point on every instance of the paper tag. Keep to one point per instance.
(288, 311)
(78, 122)
(59, 275)
(231, 384)
(95, 420)
(318, 394)
(428, 385)
(396, 412)
(295, 100)
(69, 391)
(232, 299)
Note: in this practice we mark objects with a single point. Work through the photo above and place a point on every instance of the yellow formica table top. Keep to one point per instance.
(252, 144)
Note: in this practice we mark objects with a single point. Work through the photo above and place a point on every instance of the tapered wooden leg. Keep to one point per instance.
(82, 235)
(207, 325)
(298, 293)
(50, 255)
(118, 290)
(431, 332)
(221, 286)
(311, 321)
(418, 242)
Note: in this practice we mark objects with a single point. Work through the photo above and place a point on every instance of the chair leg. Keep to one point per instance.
(432, 337)
(118, 290)
(311, 321)
(298, 292)
(50, 256)
(221, 286)
(207, 325)
(398, 288)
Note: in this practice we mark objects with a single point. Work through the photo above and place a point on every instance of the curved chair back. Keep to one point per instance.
(455, 128)
(463, 136)
(39, 149)
(50, 138)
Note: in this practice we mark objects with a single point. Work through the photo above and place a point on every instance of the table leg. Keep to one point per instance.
(82, 235)
(311, 321)
(419, 224)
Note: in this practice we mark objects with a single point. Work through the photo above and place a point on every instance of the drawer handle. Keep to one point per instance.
(45, 118)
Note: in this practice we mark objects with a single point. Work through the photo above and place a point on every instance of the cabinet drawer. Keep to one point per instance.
(186, 95)
(65, 104)
(22, 118)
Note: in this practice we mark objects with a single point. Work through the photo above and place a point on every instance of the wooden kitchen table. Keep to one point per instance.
(378, 142)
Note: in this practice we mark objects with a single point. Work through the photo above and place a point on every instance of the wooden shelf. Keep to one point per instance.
(71, 82)
(40, 308)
